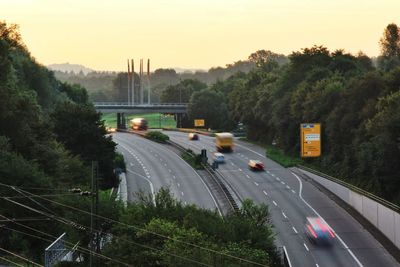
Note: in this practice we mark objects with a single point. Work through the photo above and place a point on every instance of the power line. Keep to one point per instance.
(7, 260)
(80, 249)
(89, 251)
(18, 256)
(138, 228)
(47, 195)
(62, 220)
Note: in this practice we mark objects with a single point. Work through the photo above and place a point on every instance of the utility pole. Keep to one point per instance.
(94, 240)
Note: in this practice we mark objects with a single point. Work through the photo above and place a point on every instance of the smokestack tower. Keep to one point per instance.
(133, 82)
(141, 81)
(128, 76)
(148, 81)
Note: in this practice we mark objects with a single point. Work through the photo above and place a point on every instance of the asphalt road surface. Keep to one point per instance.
(151, 166)
(291, 199)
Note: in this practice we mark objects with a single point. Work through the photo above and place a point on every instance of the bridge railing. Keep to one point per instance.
(125, 104)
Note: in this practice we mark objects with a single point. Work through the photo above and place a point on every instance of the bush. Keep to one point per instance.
(193, 159)
(119, 163)
(157, 136)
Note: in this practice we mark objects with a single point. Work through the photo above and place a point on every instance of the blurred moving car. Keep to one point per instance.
(111, 130)
(256, 165)
(193, 136)
(318, 231)
(139, 124)
(219, 157)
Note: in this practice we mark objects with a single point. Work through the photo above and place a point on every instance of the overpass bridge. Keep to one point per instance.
(121, 108)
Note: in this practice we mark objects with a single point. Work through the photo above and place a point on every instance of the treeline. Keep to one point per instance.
(357, 104)
(168, 233)
(112, 86)
(49, 136)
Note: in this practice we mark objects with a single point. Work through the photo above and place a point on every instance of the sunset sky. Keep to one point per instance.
(193, 33)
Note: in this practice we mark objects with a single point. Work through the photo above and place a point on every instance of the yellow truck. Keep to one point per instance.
(224, 142)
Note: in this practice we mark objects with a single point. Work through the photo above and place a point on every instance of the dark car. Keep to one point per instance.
(318, 231)
(193, 136)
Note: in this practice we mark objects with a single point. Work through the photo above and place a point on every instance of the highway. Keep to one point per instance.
(151, 166)
(291, 199)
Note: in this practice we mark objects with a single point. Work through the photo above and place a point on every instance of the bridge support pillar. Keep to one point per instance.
(121, 121)
(178, 119)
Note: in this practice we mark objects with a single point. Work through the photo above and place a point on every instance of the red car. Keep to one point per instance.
(256, 165)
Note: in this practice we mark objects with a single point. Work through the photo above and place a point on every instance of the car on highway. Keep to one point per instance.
(111, 130)
(193, 136)
(256, 165)
(318, 231)
(218, 157)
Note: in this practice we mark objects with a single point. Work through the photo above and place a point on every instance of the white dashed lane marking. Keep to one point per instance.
(294, 229)
(265, 193)
(255, 183)
(284, 215)
(273, 201)
(306, 246)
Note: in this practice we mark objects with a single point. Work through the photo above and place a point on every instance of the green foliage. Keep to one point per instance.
(119, 162)
(81, 130)
(33, 159)
(356, 105)
(181, 92)
(164, 232)
(210, 106)
(390, 48)
(192, 159)
(157, 136)
(75, 92)
(154, 120)
(285, 160)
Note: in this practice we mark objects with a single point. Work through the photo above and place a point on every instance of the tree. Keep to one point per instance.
(210, 106)
(181, 92)
(390, 47)
(80, 129)
(75, 92)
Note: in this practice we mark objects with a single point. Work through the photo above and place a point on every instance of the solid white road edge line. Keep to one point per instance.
(208, 190)
(340, 239)
(150, 183)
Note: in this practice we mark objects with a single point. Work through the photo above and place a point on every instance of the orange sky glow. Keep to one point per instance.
(193, 33)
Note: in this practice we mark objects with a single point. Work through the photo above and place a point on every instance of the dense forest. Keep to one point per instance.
(357, 104)
(50, 136)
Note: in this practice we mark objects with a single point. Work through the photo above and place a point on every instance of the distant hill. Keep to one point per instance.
(66, 67)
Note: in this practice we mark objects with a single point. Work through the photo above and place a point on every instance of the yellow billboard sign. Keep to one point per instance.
(310, 139)
(199, 123)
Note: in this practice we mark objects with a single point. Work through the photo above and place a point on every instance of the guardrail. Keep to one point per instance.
(381, 213)
(354, 188)
(217, 178)
(125, 104)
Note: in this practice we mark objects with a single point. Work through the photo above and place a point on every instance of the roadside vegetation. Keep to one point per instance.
(157, 136)
(194, 160)
(168, 233)
(356, 101)
(49, 136)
